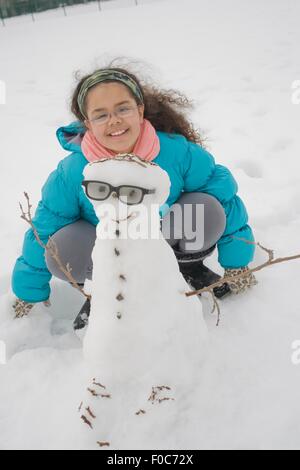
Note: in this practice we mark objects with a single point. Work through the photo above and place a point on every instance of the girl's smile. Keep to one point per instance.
(118, 134)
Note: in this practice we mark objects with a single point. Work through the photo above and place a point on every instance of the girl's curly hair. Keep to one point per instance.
(163, 108)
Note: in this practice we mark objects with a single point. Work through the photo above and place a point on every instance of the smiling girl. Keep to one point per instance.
(116, 114)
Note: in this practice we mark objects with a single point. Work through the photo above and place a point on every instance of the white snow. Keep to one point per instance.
(240, 62)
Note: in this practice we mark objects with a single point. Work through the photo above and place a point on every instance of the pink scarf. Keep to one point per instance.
(147, 146)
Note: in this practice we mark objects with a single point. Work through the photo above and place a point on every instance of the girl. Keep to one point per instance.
(116, 114)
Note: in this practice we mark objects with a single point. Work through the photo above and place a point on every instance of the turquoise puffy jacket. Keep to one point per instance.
(190, 168)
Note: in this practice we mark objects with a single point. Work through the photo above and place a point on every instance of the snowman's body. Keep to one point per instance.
(143, 331)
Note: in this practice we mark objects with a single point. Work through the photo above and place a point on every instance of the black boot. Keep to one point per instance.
(82, 318)
(196, 274)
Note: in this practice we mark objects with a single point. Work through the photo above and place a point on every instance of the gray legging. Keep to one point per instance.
(75, 241)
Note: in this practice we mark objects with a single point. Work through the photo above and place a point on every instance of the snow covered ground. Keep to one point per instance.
(238, 60)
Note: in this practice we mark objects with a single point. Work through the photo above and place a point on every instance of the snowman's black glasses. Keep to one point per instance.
(99, 191)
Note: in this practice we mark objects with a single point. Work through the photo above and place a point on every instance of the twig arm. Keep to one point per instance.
(51, 247)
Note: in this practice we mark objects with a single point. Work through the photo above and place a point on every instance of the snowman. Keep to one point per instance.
(145, 340)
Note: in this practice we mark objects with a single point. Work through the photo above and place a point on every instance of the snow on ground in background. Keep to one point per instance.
(238, 62)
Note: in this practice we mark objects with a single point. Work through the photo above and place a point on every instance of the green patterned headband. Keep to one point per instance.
(102, 76)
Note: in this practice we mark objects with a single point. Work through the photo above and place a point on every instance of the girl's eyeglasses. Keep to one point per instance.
(120, 112)
(99, 191)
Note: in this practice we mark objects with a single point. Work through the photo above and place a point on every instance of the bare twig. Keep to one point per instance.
(270, 262)
(98, 384)
(88, 409)
(160, 400)
(50, 247)
(154, 394)
(216, 307)
(103, 444)
(95, 394)
(86, 421)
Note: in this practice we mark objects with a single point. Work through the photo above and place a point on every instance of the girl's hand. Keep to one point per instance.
(241, 284)
(23, 308)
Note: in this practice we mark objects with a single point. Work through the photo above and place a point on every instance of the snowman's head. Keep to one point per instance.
(125, 183)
